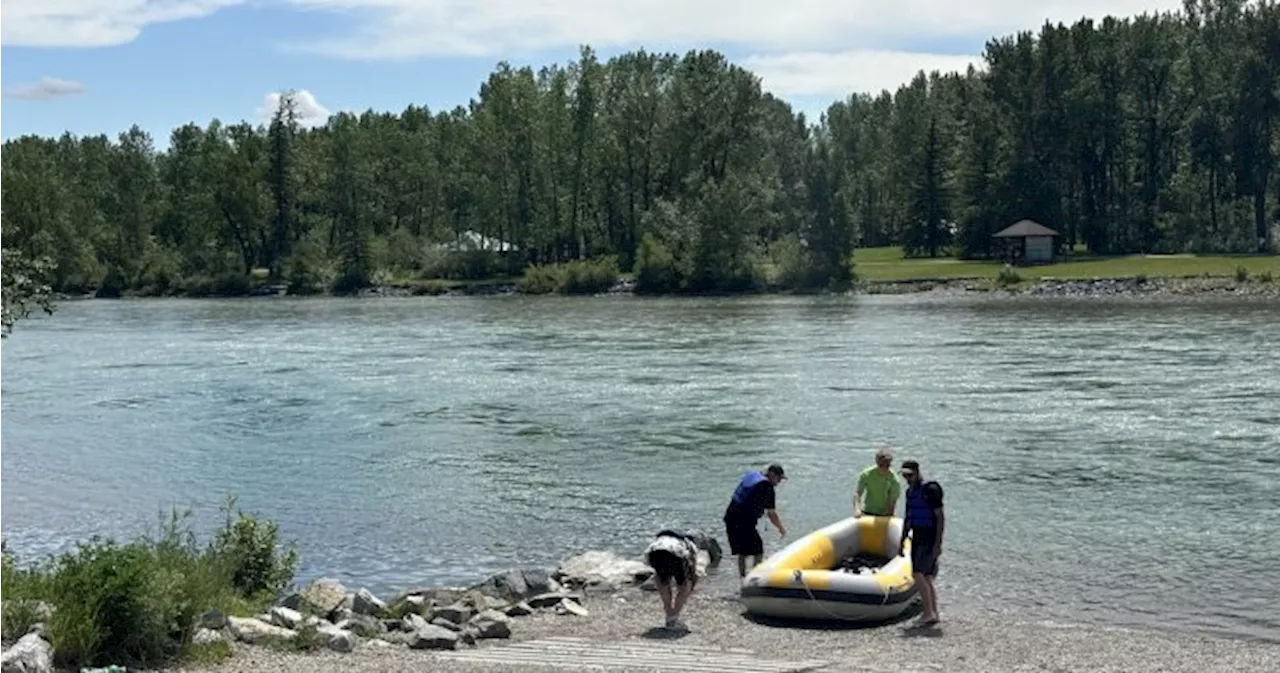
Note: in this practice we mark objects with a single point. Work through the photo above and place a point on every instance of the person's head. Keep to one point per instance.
(775, 474)
(884, 458)
(911, 471)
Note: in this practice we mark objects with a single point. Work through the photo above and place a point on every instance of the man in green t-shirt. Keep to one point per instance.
(878, 488)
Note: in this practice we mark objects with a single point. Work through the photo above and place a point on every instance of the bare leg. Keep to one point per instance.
(926, 597)
(742, 566)
(756, 560)
(682, 596)
(933, 599)
(664, 590)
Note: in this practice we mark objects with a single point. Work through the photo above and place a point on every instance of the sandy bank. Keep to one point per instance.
(962, 644)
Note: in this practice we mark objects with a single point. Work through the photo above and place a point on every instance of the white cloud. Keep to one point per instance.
(400, 29)
(45, 89)
(841, 73)
(310, 112)
(93, 23)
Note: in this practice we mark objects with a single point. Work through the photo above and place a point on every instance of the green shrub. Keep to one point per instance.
(656, 268)
(258, 566)
(1242, 274)
(138, 603)
(590, 276)
(1265, 277)
(542, 279)
(1007, 276)
(577, 277)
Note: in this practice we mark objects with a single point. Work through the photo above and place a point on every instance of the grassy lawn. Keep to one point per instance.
(888, 264)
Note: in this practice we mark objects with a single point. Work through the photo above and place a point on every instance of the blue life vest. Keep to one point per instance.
(749, 481)
(919, 513)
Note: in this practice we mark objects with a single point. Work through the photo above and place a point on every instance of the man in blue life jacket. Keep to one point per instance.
(925, 521)
(754, 497)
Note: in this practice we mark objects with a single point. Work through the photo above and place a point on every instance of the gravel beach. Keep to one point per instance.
(961, 643)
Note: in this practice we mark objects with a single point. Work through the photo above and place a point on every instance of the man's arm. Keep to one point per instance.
(857, 497)
(777, 523)
(942, 526)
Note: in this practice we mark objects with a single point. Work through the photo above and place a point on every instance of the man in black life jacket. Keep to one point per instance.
(925, 521)
(753, 498)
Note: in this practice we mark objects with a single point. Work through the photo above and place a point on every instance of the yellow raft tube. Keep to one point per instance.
(802, 581)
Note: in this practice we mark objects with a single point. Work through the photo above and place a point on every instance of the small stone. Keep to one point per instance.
(363, 625)
(377, 642)
(213, 619)
(293, 601)
(547, 600)
(468, 636)
(31, 654)
(365, 603)
(341, 641)
(491, 624)
(519, 610)
(569, 607)
(286, 617)
(433, 638)
(206, 636)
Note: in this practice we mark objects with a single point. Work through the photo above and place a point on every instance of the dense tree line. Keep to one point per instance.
(1153, 134)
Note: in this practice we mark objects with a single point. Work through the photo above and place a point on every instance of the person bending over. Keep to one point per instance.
(674, 559)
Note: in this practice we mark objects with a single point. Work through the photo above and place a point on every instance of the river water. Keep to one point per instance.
(1104, 461)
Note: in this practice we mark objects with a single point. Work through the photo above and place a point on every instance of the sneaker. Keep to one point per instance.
(671, 622)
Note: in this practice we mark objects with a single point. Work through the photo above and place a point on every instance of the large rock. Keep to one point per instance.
(568, 607)
(458, 613)
(433, 638)
(365, 603)
(213, 619)
(286, 617)
(491, 624)
(509, 585)
(31, 654)
(539, 582)
(602, 570)
(323, 596)
(205, 636)
(442, 622)
(248, 630)
(413, 622)
(337, 639)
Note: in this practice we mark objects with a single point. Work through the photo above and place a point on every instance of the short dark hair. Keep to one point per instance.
(776, 469)
(911, 465)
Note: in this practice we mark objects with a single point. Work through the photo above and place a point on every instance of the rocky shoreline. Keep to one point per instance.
(1199, 286)
(326, 615)
(1194, 286)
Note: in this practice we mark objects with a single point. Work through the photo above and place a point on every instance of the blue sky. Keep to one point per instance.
(98, 66)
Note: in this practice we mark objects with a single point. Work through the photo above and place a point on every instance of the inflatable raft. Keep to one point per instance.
(812, 578)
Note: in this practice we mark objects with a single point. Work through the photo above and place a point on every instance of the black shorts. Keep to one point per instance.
(924, 541)
(744, 538)
(671, 569)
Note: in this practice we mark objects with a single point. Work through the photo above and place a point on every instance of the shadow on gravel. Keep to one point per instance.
(920, 631)
(832, 624)
(664, 633)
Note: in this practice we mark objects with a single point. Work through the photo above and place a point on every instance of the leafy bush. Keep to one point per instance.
(1242, 274)
(229, 284)
(590, 276)
(542, 279)
(577, 277)
(656, 268)
(251, 548)
(138, 603)
(1265, 277)
(1007, 276)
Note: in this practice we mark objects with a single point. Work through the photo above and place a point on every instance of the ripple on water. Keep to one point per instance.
(500, 433)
